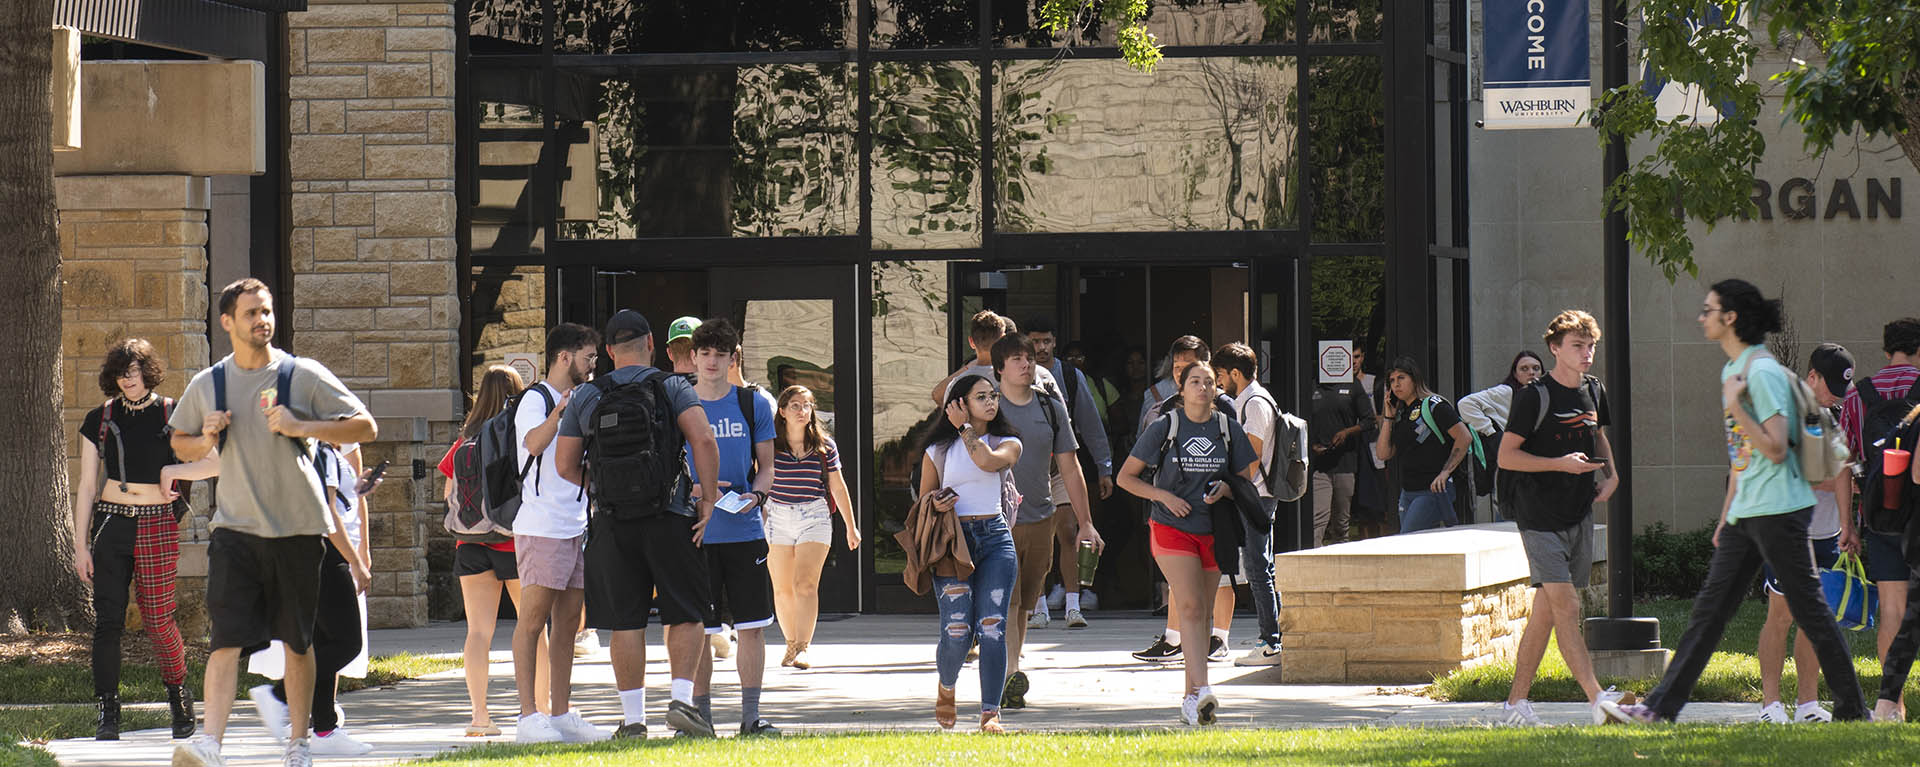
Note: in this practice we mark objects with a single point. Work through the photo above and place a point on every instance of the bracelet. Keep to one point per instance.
(761, 496)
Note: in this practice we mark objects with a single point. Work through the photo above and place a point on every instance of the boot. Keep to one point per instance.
(180, 700)
(108, 727)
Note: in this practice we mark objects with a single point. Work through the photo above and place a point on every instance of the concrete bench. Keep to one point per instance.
(1404, 608)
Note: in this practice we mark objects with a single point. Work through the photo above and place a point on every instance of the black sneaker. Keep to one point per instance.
(686, 718)
(637, 730)
(1159, 651)
(759, 728)
(1216, 648)
(1014, 695)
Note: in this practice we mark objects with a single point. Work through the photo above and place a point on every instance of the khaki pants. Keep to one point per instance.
(1332, 506)
(1033, 545)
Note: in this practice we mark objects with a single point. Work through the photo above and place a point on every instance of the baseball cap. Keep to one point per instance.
(1835, 364)
(626, 325)
(682, 328)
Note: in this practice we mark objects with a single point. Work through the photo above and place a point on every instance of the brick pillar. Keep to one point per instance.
(373, 252)
(134, 258)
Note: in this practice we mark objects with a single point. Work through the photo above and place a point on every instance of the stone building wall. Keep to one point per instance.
(374, 288)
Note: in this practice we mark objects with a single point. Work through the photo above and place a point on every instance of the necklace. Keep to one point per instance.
(135, 406)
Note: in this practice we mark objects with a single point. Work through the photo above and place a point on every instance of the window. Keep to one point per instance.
(926, 155)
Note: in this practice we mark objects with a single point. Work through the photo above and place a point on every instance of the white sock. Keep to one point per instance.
(1222, 633)
(683, 691)
(1204, 691)
(1041, 609)
(1173, 637)
(633, 705)
(1073, 601)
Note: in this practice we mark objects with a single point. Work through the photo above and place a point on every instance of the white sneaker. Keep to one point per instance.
(1076, 619)
(536, 728)
(201, 751)
(273, 713)
(1262, 654)
(338, 743)
(1775, 713)
(586, 643)
(1057, 598)
(1190, 710)
(298, 754)
(1521, 715)
(1089, 601)
(1606, 708)
(574, 729)
(1811, 712)
(1207, 705)
(1038, 619)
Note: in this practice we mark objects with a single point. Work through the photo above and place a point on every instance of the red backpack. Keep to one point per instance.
(466, 506)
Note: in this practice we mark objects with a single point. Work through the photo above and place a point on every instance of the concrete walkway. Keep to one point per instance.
(870, 673)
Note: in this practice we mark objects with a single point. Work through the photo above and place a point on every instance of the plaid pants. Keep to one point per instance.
(137, 545)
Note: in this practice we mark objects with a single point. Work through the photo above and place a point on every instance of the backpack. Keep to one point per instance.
(1882, 422)
(1286, 478)
(1477, 452)
(466, 517)
(501, 472)
(1818, 445)
(1151, 472)
(107, 426)
(634, 448)
(1508, 487)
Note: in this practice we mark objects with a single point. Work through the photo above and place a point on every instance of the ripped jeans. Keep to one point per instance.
(976, 607)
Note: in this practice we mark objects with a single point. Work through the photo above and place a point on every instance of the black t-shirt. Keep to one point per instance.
(1556, 500)
(1421, 453)
(1337, 407)
(146, 437)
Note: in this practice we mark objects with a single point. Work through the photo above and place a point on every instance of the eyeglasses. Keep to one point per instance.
(132, 372)
(1709, 310)
(983, 399)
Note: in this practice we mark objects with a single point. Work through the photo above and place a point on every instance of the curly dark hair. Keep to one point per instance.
(126, 354)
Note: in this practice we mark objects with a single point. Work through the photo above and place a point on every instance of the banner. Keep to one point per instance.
(1536, 63)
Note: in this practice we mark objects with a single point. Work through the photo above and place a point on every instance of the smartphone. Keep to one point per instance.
(733, 502)
(367, 482)
(945, 493)
(1593, 459)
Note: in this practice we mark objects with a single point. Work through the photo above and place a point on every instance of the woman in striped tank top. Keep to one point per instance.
(806, 467)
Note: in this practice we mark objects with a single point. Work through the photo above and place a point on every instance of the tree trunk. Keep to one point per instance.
(42, 591)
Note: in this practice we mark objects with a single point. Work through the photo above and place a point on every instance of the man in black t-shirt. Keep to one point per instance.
(1556, 444)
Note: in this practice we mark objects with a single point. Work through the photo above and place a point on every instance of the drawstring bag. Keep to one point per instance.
(1853, 598)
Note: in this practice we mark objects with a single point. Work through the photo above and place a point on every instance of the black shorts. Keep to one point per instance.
(742, 590)
(639, 564)
(261, 589)
(477, 558)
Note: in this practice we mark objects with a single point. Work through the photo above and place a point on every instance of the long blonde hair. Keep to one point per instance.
(496, 387)
(814, 436)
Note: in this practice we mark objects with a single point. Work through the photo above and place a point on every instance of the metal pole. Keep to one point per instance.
(1619, 351)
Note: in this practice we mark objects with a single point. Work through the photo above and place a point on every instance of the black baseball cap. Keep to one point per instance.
(626, 325)
(1835, 364)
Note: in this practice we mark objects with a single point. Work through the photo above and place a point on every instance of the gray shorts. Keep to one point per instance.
(1560, 556)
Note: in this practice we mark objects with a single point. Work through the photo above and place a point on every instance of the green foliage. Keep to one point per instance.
(1670, 564)
(1137, 46)
(1868, 79)
(40, 724)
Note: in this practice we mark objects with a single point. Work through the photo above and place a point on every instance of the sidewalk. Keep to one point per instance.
(870, 673)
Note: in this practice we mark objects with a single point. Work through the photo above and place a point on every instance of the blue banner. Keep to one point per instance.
(1536, 72)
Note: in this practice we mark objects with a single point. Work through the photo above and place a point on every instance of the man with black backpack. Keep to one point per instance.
(549, 541)
(1870, 415)
(627, 438)
(264, 558)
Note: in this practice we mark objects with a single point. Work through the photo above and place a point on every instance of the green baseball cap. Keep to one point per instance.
(682, 328)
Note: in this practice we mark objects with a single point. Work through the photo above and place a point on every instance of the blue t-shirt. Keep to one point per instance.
(736, 462)
(680, 397)
(1765, 487)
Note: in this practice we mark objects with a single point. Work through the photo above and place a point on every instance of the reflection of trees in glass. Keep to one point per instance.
(1342, 21)
(794, 151)
(1347, 138)
(926, 145)
(497, 26)
(1347, 295)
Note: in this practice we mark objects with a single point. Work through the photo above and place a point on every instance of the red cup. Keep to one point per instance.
(1894, 463)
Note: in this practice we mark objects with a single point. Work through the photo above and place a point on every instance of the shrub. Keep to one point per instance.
(1670, 564)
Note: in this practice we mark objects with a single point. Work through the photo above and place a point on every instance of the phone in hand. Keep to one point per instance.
(1597, 460)
(372, 478)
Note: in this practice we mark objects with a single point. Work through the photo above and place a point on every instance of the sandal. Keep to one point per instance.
(792, 650)
(800, 660)
(482, 731)
(943, 708)
(990, 723)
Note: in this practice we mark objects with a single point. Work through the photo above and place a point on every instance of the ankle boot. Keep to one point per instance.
(180, 700)
(108, 726)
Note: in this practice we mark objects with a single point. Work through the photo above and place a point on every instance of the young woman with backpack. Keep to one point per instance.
(799, 517)
(484, 566)
(1485, 412)
(1423, 435)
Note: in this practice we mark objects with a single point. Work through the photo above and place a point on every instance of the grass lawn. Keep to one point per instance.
(28, 682)
(22, 726)
(1851, 744)
(1732, 675)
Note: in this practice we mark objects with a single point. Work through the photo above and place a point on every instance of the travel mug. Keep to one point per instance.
(1089, 561)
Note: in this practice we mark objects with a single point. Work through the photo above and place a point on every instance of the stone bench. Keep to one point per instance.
(1404, 608)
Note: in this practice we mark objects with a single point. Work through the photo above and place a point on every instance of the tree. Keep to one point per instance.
(1855, 71)
(42, 591)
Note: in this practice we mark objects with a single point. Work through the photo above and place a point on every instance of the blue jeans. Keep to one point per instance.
(1425, 509)
(1256, 563)
(964, 618)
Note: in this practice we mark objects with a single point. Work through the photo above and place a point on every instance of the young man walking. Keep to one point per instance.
(642, 546)
(263, 409)
(1886, 562)
(1341, 414)
(1556, 443)
(1236, 367)
(680, 345)
(1766, 512)
(735, 543)
(549, 542)
(1042, 421)
(1096, 462)
(985, 328)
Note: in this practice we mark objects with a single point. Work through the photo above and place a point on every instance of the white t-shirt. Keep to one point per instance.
(343, 481)
(1258, 422)
(550, 506)
(1826, 516)
(979, 490)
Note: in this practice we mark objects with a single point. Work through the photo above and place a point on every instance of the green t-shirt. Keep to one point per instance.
(1765, 488)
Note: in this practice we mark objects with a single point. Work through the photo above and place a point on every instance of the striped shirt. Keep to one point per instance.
(801, 479)
(1892, 382)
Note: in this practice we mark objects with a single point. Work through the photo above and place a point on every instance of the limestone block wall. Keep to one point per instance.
(374, 288)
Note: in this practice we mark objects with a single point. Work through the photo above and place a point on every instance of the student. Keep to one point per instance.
(1765, 516)
(1421, 430)
(549, 544)
(983, 330)
(680, 345)
(735, 542)
(1886, 563)
(960, 473)
(1556, 442)
(806, 473)
(1485, 412)
(1829, 370)
(643, 555)
(1046, 436)
(1094, 459)
(1236, 367)
(124, 528)
(264, 557)
(1189, 479)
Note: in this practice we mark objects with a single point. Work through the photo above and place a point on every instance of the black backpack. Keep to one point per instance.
(633, 448)
(1881, 423)
(501, 471)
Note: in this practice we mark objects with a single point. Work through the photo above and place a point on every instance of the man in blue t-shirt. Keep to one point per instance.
(736, 539)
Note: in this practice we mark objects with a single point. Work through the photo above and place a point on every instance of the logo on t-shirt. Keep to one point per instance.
(728, 428)
(1199, 447)
(268, 397)
(1574, 419)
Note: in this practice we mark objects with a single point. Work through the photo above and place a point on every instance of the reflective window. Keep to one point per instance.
(1347, 21)
(504, 26)
(1346, 129)
(508, 138)
(596, 27)
(744, 152)
(925, 24)
(509, 312)
(1348, 294)
(1199, 144)
(791, 344)
(1172, 22)
(909, 356)
(926, 155)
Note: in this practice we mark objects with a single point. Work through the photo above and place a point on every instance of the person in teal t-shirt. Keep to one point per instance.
(1765, 516)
